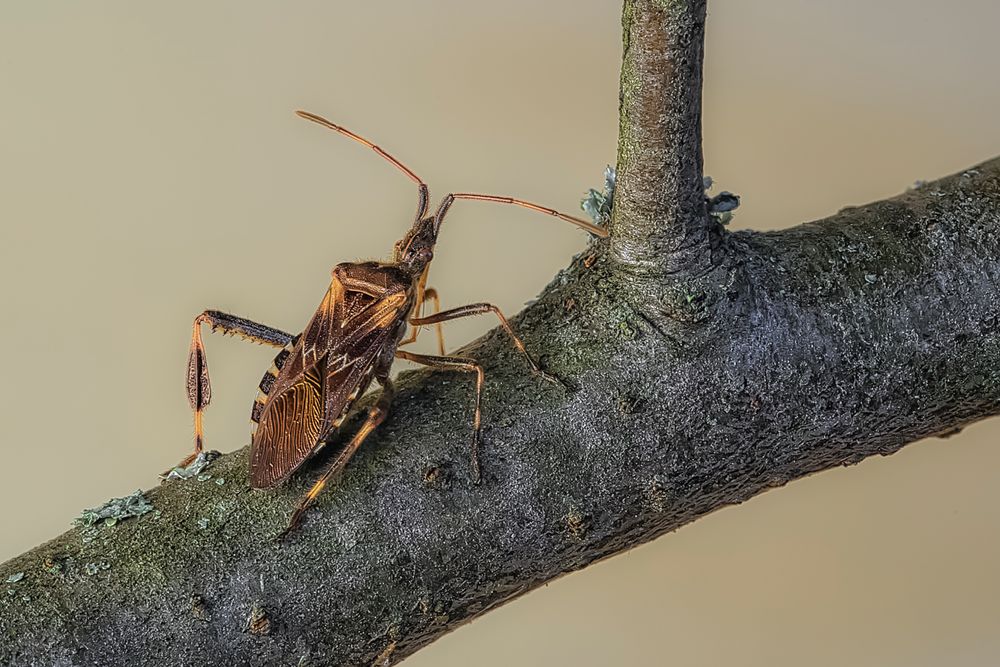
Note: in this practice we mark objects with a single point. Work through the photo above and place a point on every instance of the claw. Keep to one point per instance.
(293, 525)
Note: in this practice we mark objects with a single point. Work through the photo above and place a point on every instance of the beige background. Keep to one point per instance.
(151, 167)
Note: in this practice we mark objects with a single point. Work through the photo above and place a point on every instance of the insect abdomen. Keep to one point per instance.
(267, 382)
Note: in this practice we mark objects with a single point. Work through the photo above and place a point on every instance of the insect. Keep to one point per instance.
(351, 340)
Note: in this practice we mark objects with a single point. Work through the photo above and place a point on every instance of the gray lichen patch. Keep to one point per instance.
(90, 569)
(722, 205)
(196, 467)
(115, 510)
(598, 204)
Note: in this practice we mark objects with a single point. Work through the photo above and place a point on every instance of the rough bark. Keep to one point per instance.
(660, 224)
(782, 354)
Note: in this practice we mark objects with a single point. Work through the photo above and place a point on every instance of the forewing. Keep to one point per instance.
(345, 384)
(330, 365)
(288, 430)
(316, 339)
(291, 418)
(352, 358)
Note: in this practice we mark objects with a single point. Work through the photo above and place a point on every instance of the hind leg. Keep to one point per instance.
(376, 415)
(199, 387)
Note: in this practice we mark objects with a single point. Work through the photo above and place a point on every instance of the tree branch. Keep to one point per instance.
(660, 223)
(685, 404)
(695, 388)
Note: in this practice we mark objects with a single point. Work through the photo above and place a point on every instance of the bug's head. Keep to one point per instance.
(415, 250)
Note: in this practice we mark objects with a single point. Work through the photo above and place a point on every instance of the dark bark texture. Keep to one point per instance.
(772, 356)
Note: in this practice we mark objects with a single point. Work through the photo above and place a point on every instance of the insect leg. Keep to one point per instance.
(376, 415)
(479, 309)
(438, 329)
(199, 388)
(459, 364)
(582, 224)
(429, 293)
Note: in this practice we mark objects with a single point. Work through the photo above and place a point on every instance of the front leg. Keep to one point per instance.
(199, 387)
(432, 294)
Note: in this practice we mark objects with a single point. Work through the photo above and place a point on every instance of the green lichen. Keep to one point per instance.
(688, 301)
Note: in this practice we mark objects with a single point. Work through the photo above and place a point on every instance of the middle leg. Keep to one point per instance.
(199, 387)
(479, 309)
(456, 364)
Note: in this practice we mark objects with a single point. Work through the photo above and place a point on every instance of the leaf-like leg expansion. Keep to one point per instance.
(199, 386)
(460, 364)
(376, 415)
(432, 294)
(479, 309)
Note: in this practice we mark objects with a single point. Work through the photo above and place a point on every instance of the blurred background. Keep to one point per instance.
(151, 167)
